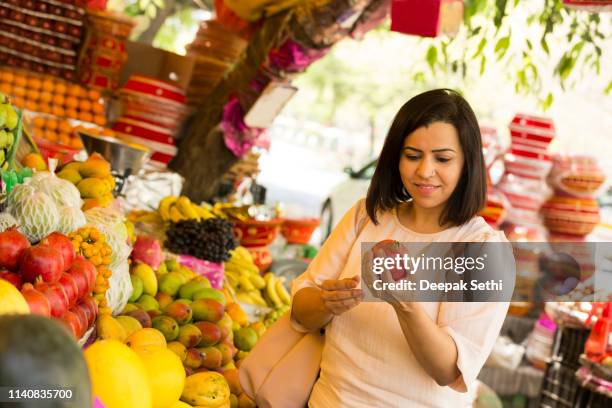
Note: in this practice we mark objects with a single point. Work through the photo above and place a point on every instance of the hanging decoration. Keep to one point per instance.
(426, 18)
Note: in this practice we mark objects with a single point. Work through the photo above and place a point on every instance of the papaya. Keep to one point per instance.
(39, 353)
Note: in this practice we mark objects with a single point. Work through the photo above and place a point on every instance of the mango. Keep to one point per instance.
(245, 402)
(167, 326)
(225, 324)
(34, 161)
(148, 302)
(179, 311)
(207, 310)
(129, 324)
(95, 168)
(189, 335)
(179, 349)
(231, 376)
(92, 188)
(211, 333)
(146, 274)
(108, 328)
(163, 299)
(73, 166)
(210, 293)
(245, 338)
(212, 357)
(142, 316)
(130, 307)
(227, 352)
(194, 358)
(206, 389)
(70, 175)
(190, 288)
(171, 282)
(137, 288)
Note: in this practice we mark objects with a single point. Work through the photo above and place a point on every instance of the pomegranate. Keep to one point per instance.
(55, 295)
(12, 245)
(38, 303)
(80, 313)
(42, 261)
(63, 244)
(73, 323)
(86, 268)
(70, 287)
(11, 277)
(82, 282)
(90, 306)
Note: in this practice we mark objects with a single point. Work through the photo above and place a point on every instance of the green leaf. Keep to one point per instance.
(151, 11)
(608, 88)
(547, 103)
(481, 46)
(159, 3)
(432, 57)
(529, 45)
(544, 45)
(500, 12)
(419, 77)
(483, 64)
(502, 47)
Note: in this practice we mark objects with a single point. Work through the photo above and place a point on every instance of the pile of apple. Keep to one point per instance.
(52, 279)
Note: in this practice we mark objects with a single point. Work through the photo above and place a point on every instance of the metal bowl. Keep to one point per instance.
(124, 157)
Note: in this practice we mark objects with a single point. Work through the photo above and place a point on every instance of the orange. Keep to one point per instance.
(60, 88)
(35, 84)
(51, 135)
(46, 97)
(94, 95)
(86, 117)
(32, 95)
(51, 124)
(38, 122)
(84, 105)
(20, 80)
(48, 85)
(19, 91)
(44, 108)
(74, 90)
(31, 105)
(76, 143)
(72, 114)
(6, 88)
(59, 100)
(7, 76)
(64, 138)
(97, 108)
(18, 101)
(99, 120)
(58, 111)
(64, 126)
(72, 102)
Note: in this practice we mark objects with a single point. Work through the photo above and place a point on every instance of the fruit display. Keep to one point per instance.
(175, 209)
(52, 278)
(45, 204)
(35, 350)
(42, 36)
(210, 239)
(55, 130)
(53, 96)
(9, 119)
(93, 180)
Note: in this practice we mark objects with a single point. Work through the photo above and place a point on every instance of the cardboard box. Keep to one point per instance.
(144, 59)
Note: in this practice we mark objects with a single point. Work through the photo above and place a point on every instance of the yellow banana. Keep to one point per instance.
(176, 215)
(257, 281)
(271, 291)
(203, 212)
(256, 297)
(164, 207)
(185, 207)
(244, 297)
(245, 283)
(282, 293)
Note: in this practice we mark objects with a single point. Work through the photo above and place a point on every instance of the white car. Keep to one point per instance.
(343, 196)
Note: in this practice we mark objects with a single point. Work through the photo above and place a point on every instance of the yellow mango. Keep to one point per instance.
(93, 188)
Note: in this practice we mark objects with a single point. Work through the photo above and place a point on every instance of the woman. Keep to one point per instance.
(428, 186)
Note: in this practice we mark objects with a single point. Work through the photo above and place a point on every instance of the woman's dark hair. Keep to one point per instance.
(386, 189)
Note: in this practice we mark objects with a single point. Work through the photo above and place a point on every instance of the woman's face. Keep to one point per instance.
(430, 164)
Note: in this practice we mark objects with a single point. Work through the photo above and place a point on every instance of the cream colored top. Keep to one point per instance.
(366, 360)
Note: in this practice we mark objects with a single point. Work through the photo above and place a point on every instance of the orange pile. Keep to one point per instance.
(56, 131)
(46, 94)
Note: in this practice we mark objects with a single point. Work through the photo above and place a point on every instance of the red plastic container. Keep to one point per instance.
(299, 231)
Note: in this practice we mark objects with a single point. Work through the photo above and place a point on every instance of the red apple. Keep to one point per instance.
(70, 287)
(38, 303)
(63, 244)
(55, 295)
(12, 245)
(73, 323)
(11, 277)
(42, 261)
(87, 270)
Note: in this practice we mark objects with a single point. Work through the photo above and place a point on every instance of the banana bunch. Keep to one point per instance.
(276, 294)
(243, 277)
(181, 208)
(8, 122)
(144, 216)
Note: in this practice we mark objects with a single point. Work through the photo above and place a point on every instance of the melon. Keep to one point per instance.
(39, 353)
(63, 192)
(37, 215)
(70, 219)
(7, 221)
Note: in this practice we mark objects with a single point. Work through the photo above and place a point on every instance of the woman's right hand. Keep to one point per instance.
(341, 295)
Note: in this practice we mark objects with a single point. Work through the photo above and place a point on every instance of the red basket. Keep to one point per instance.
(63, 154)
(299, 231)
(253, 233)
